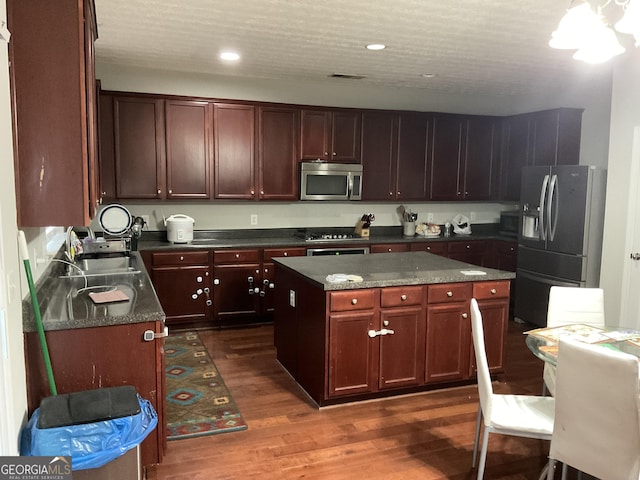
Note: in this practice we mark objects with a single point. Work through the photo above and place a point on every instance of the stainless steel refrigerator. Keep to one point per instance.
(560, 234)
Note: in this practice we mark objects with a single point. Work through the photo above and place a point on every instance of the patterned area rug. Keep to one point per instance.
(198, 401)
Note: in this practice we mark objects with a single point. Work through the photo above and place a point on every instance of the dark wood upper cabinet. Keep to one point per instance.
(379, 154)
(411, 168)
(330, 136)
(53, 105)
(481, 158)
(447, 167)
(188, 149)
(139, 147)
(278, 132)
(234, 135)
(550, 137)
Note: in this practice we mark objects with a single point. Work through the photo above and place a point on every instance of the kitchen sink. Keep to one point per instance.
(111, 265)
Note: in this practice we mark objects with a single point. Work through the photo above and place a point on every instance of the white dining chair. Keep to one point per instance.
(569, 305)
(597, 422)
(518, 415)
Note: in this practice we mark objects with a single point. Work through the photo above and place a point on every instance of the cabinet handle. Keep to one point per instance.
(265, 282)
(170, 191)
(389, 249)
(493, 291)
(376, 333)
(237, 255)
(199, 279)
(428, 248)
(449, 294)
(272, 285)
(326, 153)
(209, 303)
(181, 258)
(285, 254)
(403, 297)
(206, 290)
(250, 279)
(354, 301)
(159, 191)
(216, 281)
(253, 192)
(385, 323)
(465, 315)
(468, 246)
(391, 194)
(261, 192)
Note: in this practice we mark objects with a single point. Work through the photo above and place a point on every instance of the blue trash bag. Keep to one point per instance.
(90, 445)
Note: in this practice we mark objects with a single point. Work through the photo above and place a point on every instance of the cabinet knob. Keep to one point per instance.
(216, 281)
(159, 191)
(250, 279)
(468, 246)
(261, 192)
(253, 192)
(403, 297)
(449, 294)
(285, 254)
(326, 153)
(181, 258)
(493, 291)
(334, 154)
(391, 194)
(389, 249)
(265, 282)
(170, 191)
(354, 301)
(385, 323)
(237, 255)
(266, 270)
(206, 290)
(465, 315)
(428, 248)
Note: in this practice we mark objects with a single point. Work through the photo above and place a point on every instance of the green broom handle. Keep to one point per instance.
(24, 253)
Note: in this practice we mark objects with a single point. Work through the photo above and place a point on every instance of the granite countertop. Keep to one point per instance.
(277, 238)
(390, 269)
(65, 303)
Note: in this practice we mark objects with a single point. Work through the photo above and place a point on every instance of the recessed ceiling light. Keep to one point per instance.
(229, 56)
(376, 46)
(428, 75)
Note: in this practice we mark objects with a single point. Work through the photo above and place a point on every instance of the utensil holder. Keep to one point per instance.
(409, 229)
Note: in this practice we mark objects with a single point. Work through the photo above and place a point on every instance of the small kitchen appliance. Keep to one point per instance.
(179, 228)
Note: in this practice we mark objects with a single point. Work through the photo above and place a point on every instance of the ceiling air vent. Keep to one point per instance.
(348, 76)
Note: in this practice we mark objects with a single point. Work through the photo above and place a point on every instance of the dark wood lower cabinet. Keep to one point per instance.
(355, 344)
(100, 357)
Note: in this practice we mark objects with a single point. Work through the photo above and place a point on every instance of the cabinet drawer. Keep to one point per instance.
(478, 246)
(449, 292)
(200, 257)
(437, 248)
(506, 248)
(270, 253)
(353, 300)
(400, 296)
(485, 290)
(389, 248)
(236, 256)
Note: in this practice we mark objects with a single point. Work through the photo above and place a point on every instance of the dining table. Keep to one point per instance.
(543, 342)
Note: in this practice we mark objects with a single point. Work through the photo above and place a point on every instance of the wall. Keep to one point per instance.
(13, 398)
(625, 117)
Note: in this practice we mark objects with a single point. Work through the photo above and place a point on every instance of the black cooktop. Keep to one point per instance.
(327, 235)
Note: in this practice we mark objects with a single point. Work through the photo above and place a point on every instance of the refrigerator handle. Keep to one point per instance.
(541, 211)
(552, 207)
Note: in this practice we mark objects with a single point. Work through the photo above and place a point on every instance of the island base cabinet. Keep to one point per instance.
(101, 357)
(447, 338)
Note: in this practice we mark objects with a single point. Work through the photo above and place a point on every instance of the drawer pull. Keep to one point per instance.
(465, 315)
(449, 293)
(286, 254)
(216, 281)
(181, 258)
(354, 301)
(493, 291)
(468, 246)
(237, 255)
(403, 297)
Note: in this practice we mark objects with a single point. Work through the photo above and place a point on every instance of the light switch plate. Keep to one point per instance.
(292, 298)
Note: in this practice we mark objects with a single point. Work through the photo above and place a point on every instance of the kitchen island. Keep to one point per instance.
(400, 325)
(98, 345)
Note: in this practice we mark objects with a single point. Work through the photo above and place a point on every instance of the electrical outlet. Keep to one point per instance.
(473, 215)
(254, 219)
(429, 217)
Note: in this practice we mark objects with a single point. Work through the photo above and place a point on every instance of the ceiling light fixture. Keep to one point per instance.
(588, 32)
(376, 46)
(231, 56)
(428, 75)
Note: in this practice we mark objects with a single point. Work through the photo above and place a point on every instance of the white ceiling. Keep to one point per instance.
(493, 47)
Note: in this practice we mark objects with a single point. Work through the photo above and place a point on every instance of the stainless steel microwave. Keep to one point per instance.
(330, 181)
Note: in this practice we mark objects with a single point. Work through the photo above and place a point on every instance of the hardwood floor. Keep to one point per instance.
(427, 436)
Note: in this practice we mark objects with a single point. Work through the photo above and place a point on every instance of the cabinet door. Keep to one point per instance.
(481, 158)
(402, 352)
(353, 355)
(107, 149)
(505, 255)
(446, 158)
(345, 137)
(447, 339)
(278, 153)
(379, 144)
(184, 292)
(411, 168)
(315, 132)
(515, 155)
(91, 92)
(234, 151)
(235, 297)
(556, 137)
(475, 252)
(139, 148)
(188, 150)
(495, 314)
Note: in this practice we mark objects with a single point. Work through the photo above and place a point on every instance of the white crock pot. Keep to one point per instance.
(179, 228)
